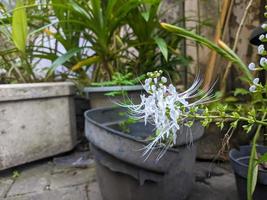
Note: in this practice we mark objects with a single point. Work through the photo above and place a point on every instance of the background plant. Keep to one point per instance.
(87, 41)
(252, 112)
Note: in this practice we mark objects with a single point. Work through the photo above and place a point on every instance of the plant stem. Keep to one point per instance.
(260, 122)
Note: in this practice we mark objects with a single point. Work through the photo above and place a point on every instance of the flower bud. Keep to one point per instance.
(264, 26)
(263, 62)
(262, 37)
(252, 66)
(256, 81)
(163, 79)
(261, 49)
(252, 88)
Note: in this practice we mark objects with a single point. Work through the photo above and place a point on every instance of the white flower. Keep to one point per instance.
(252, 88)
(147, 86)
(263, 62)
(264, 26)
(167, 109)
(252, 66)
(163, 79)
(153, 88)
(262, 37)
(256, 81)
(155, 80)
(261, 49)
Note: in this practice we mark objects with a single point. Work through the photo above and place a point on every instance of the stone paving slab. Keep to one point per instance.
(73, 193)
(214, 182)
(5, 184)
(47, 181)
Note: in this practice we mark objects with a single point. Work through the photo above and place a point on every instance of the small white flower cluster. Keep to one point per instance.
(167, 109)
(256, 81)
(263, 62)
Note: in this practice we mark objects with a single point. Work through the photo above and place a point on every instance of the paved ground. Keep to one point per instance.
(52, 180)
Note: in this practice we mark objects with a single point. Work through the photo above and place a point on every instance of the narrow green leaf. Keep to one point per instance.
(162, 46)
(226, 52)
(145, 15)
(231, 99)
(20, 26)
(61, 60)
(253, 165)
(252, 172)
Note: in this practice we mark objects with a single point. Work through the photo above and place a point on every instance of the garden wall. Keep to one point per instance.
(206, 13)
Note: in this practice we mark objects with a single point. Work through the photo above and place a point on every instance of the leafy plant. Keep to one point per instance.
(92, 37)
(222, 50)
(169, 110)
(121, 80)
(14, 33)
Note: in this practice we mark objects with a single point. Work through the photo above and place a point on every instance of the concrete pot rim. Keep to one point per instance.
(113, 88)
(27, 91)
(38, 84)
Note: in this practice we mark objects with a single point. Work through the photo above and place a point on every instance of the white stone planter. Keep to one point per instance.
(36, 121)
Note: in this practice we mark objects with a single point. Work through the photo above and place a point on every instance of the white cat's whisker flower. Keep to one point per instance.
(167, 109)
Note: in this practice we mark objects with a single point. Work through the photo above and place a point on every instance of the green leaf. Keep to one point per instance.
(240, 91)
(226, 52)
(145, 15)
(263, 158)
(162, 46)
(252, 172)
(61, 60)
(234, 124)
(247, 128)
(230, 99)
(20, 26)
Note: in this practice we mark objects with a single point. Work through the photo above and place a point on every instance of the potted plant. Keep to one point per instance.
(253, 114)
(31, 109)
(249, 161)
(114, 49)
(121, 155)
(153, 159)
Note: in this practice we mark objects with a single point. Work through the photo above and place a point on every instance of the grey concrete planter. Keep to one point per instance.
(122, 171)
(98, 99)
(36, 121)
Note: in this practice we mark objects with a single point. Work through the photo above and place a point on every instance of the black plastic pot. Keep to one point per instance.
(122, 171)
(239, 161)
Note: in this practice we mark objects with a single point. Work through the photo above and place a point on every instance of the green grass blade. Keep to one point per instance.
(162, 46)
(19, 26)
(226, 52)
(252, 172)
(61, 60)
